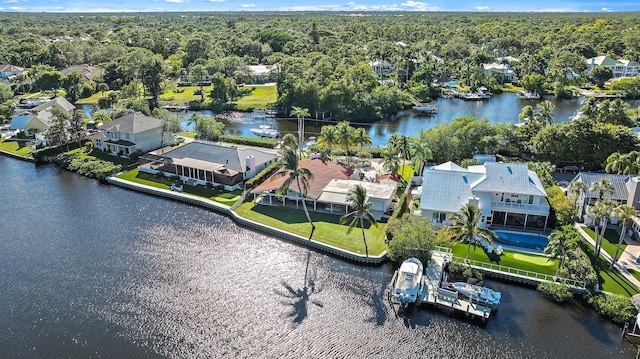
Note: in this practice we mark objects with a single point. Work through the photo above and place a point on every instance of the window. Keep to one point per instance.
(530, 199)
(439, 217)
(126, 135)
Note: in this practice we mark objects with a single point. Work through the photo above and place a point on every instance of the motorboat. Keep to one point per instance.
(480, 295)
(525, 95)
(427, 109)
(577, 116)
(484, 92)
(265, 131)
(408, 282)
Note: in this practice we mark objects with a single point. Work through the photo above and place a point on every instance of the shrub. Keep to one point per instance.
(87, 166)
(558, 292)
(472, 273)
(613, 306)
(257, 142)
(456, 268)
(264, 174)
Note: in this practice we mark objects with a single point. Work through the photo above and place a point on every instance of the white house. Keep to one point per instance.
(500, 70)
(131, 133)
(262, 73)
(381, 68)
(508, 194)
(201, 162)
(620, 68)
(38, 119)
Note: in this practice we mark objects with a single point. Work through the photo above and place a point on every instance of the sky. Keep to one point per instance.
(317, 5)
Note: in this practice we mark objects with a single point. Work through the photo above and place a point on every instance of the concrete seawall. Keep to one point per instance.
(226, 210)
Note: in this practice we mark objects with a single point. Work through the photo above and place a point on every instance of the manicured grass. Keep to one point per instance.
(260, 97)
(406, 171)
(511, 88)
(16, 147)
(223, 197)
(610, 241)
(328, 229)
(635, 274)
(187, 134)
(525, 261)
(93, 99)
(183, 95)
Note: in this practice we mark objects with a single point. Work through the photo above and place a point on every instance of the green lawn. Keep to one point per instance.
(187, 134)
(511, 88)
(525, 261)
(93, 99)
(223, 197)
(328, 229)
(15, 147)
(260, 97)
(183, 95)
(610, 241)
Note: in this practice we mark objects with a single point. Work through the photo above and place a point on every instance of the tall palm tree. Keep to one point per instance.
(290, 140)
(603, 187)
(527, 114)
(466, 227)
(559, 248)
(590, 107)
(624, 213)
(300, 114)
(623, 163)
(358, 201)
(601, 212)
(329, 137)
(361, 138)
(420, 153)
(293, 172)
(345, 135)
(390, 160)
(545, 112)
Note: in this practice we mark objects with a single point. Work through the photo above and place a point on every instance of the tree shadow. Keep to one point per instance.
(299, 299)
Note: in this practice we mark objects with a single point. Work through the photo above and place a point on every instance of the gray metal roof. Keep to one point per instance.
(446, 190)
(132, 123)
(230, 157)
(619, 183)
(511, 178)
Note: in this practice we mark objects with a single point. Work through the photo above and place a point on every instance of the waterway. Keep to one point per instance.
(501, 108)
(93, 270)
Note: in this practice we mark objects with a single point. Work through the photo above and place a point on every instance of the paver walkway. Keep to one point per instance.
(627, 259)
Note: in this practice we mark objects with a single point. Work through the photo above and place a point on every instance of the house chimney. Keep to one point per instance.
(251, 163)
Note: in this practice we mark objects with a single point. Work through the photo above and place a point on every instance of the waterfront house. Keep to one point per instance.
(8, 71)
(261, 74)
(132, 133)
(620, 68)
(626, 190)
(88, 72)
(503, 71)
(381, 69)
(328, 190)
(35, 121)
(201, 162)
(508, 194)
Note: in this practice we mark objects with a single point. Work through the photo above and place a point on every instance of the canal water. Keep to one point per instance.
(501, 108)
(93, 270)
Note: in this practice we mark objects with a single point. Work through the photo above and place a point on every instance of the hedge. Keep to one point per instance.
(256, 142)
(263, 175)
(616, 307)
(42, 154)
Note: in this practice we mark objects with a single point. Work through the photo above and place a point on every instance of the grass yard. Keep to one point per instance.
(525, 261)
(610, 241)
(223, 197)
(15, 147)
(106, 157)
(183, 95)
(93, 99)
(187, 134)
(511, 88)
(260, 97)
(328, 228)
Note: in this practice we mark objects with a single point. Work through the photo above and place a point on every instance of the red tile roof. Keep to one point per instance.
(323, 172)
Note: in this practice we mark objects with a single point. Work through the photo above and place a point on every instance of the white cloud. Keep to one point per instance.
(10, 1)
(215, 0)
(482, 8)
(177, 1)
(248, 6)
(607, 9)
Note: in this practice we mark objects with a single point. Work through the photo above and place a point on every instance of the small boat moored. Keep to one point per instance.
(408, 282)
(480, 295)
(265, 131)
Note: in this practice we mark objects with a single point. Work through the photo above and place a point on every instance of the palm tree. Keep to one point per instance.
(300, 114)
(624, 213)
(329, 137)
(421, 153)
(545, 112)
(601, 212)
(590, 107)
(559, 248)
(527, 114)
(603, 187)
(290, 140)
(293, 172)
(390, 160)
(345, 136)
(361, 138)
(465, 227)
(621, 163)
(358, 201)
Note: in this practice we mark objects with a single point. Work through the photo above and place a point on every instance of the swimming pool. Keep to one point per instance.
(529, 242)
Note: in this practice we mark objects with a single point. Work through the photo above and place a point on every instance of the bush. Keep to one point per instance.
(472, 273)
(615, 307)
(558, 292)
(264, 174)
(456, 268)
(87, 166)
(256, 142)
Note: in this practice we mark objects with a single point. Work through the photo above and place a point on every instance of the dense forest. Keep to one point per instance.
(322, 59)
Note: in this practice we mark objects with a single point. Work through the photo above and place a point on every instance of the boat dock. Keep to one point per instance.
(431, 294)
(524, 95)
(423, 108)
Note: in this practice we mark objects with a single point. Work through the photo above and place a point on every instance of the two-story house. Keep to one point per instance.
(508, 194)
(35, 121)
(620, 68)
(132, 133)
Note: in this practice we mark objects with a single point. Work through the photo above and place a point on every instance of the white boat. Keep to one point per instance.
(480, 295)
(427, 109)
(265, 131)
(408, 282)
(577, 116)
(524, 95)
(484, 92)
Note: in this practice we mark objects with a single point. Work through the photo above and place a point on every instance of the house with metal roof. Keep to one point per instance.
(201, 162)
(131, 133)
(625, 190)
(7, 71)
(507, 194)
(620, 68)
(504, 71)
